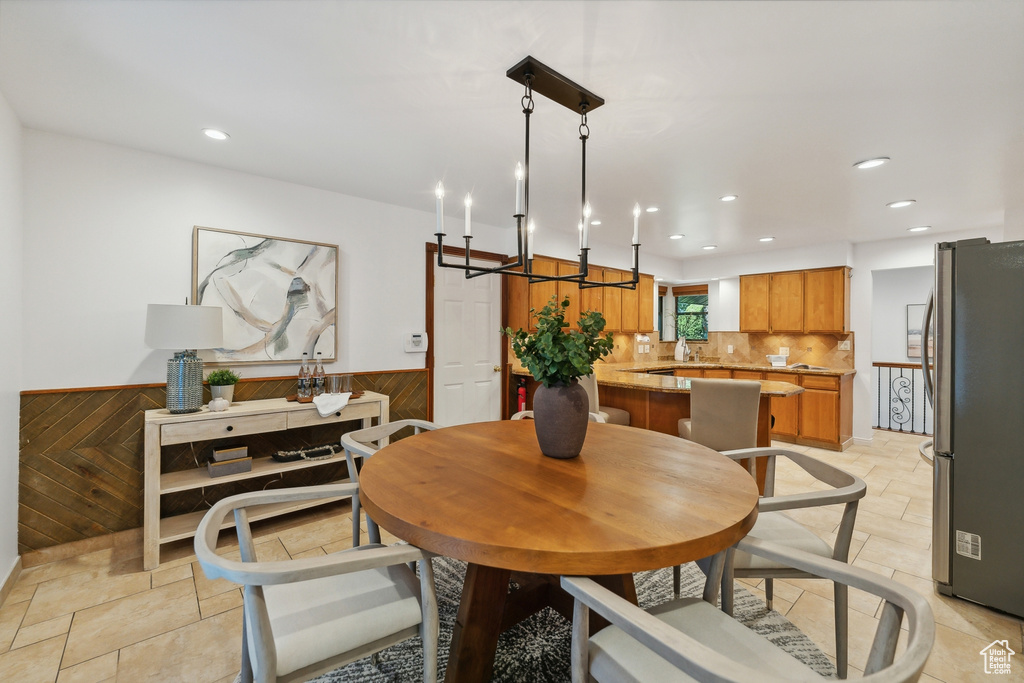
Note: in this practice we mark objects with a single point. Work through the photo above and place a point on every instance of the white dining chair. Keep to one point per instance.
(723, 413)
(688, 639)
(615, 416)
(528, 414)
(363, 443)
(303, 618)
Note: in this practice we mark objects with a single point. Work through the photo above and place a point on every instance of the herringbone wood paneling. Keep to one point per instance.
(81, 454)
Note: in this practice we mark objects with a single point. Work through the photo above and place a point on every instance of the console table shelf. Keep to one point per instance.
(248, 417)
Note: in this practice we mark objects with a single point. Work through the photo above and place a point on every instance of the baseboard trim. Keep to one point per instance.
(12, 578)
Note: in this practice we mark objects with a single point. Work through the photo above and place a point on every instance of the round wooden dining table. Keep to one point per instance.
(633, 500)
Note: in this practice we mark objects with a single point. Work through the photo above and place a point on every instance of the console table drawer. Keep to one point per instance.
(204, 430)
(311, 418)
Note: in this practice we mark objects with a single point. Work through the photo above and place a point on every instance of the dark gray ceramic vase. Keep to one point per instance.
(560, 415)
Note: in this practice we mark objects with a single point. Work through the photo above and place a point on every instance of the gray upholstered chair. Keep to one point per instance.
(615, 416)
(305, 617)
(723, 413)
(690, 640)
(775, 526)
(363, 443)
(524, 414)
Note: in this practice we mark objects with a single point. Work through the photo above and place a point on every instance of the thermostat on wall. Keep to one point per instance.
(416, 342)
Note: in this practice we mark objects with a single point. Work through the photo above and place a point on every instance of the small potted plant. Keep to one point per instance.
(222, 384)
(557, 357)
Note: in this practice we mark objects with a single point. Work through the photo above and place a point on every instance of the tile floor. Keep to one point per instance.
(100, 617)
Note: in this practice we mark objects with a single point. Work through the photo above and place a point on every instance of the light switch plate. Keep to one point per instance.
(783, 350)
(729, 348)
(844, 345)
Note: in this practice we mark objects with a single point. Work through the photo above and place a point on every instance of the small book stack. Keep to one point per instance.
(225, 460)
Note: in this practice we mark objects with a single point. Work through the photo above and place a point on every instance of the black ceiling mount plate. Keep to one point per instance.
(554, 85)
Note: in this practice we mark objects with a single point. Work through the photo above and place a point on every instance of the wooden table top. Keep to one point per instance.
(633, 500)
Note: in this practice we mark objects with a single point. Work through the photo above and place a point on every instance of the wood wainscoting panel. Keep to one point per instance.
(81, 454)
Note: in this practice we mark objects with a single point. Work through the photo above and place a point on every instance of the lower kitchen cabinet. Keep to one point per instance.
(785, 410)
(821, 416)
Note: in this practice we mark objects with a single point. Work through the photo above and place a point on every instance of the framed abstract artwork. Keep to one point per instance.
(280, 296)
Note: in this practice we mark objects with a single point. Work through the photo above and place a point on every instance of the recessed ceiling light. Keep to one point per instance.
(766, 239)
(595, 222)
(871, 163)
(919, 228)
(659, 279)
(652, 209)
(677, 236)
(729, 198)
(215, 134)
(709, 247)
(901, 203)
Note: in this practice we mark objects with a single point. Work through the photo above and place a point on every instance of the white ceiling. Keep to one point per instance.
(772, 101)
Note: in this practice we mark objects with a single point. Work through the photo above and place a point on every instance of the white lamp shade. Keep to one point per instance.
(178, 326)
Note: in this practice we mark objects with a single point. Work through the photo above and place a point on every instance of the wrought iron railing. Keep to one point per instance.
(900, 400)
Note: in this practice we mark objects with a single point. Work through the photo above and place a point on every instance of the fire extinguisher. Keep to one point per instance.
(522, 395)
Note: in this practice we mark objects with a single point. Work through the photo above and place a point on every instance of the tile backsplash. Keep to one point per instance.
(813, 349)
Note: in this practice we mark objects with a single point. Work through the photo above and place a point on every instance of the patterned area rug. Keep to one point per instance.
(537, 649)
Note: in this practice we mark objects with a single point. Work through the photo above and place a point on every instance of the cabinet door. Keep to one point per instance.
(630, 305)
(786, 302)
(746, 374)
(645, 295)
(754, 303)
(570, 291)
(688, 372)
(592, 298)
(785, 409)
(819, 415)
(717, 373)
(541, 292)
(518, 303)
(612, 301)
(827, 300)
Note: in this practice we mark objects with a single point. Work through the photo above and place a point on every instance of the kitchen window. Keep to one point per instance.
(691, 312)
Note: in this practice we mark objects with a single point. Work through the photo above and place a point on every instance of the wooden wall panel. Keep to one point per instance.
(80, 469)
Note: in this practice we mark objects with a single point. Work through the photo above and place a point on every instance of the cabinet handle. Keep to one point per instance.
(230, 428)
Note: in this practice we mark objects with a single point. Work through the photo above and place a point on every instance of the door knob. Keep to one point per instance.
(497, 369)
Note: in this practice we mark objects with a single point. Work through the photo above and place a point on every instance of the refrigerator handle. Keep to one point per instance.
(926, 325)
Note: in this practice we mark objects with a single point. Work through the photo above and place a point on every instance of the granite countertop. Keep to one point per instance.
(651, 365)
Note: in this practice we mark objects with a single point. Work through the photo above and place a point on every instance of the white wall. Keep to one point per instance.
(109, 230)
(891, 292)
(11, 313)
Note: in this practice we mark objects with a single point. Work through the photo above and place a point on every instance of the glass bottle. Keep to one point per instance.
(304, 377)
(319, 378)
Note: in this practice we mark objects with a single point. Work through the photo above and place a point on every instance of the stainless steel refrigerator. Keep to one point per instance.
(978, 504)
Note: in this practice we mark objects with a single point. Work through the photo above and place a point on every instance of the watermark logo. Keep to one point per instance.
(997, 657)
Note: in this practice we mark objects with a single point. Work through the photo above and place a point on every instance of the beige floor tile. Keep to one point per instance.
(926, 522)
(67, 594)
(120, 623)
(920, 507)
(221, 602)
(21, 592)
(815, 616)
(912, 489)
(956, 656)
(44, 630)
(897, 555)
(314, 552)
(97, 670)
(896, 529)
(37, 663)
(317, 534)
(780, 605)
(100, 559)
(887, 505)
(169, 574)
(207, 588)
(11, 617)
(203, 652)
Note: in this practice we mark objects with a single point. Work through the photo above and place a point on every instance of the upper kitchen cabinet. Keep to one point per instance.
(797, 301)
(612, 297)
(592, 298)
(827, 300)
(645, 293)
(570, 291)
(754, 303)
(541, 292)
(630, 306)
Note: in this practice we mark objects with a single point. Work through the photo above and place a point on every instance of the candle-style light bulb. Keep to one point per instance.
(520, 174)
(580, 229)
(636, 223)
(586, 225)
(469, 209)
(439, 193)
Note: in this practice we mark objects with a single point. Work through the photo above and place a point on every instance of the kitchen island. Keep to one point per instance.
(811, 406)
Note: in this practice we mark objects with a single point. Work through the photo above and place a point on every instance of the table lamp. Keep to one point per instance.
(172, 326)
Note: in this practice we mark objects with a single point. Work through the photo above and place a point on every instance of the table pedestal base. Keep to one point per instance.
(487, 609)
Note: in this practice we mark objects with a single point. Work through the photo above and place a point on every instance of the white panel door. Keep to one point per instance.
(467, 347)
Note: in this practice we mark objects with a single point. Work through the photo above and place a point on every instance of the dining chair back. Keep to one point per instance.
(688, 639)
(363, 443)
(305, 617)
(723, 413)
(528, 414)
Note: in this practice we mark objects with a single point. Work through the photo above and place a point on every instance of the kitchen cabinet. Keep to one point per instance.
(796, 302)
(645, 295)
(820, 416)
(518, 303)
(688, 372)
(630, 306)
(717, 373)
(785, 409)
(592, 298)
(612, 301)
(541, 292)
(827, 300)
(570, 291)
(748, 374)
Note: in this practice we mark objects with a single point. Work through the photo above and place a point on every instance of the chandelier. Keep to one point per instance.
(539, 78)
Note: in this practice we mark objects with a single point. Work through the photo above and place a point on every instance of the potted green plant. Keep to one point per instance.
(557, 357)
(222, 384)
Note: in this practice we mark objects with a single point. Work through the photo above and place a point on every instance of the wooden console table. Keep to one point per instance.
(247, 417)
